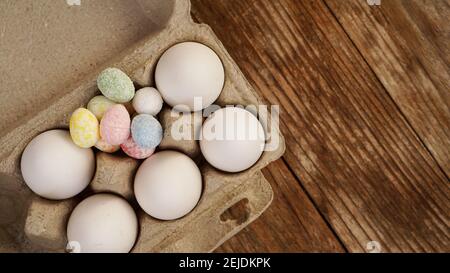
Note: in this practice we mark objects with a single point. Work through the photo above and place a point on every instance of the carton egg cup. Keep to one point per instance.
(30, 223)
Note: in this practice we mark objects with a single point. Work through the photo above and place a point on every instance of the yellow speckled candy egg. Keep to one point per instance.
(84, 128)
(98, 105)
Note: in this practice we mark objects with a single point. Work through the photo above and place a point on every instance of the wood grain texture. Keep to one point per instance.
(406, 43)
(290, 224)
(364, 167)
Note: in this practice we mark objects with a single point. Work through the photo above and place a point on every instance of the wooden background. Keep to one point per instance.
(364, 95)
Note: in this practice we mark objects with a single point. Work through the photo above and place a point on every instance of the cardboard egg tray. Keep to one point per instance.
(71, 45)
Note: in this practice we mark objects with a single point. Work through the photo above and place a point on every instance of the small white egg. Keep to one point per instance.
(168, 185)
(232, 139)
(54, 167)
(147, 100)
(102, 223)
(187, 71)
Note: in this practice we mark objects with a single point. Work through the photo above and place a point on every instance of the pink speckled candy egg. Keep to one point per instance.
(115, 125)
(134, 151)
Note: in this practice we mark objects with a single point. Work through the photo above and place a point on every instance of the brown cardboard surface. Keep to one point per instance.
(40, 95)
(46, 45)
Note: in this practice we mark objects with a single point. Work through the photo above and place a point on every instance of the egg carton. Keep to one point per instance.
(30, 223)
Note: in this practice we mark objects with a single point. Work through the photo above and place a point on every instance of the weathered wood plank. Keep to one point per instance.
(290, 224)
(406, 43)
(347, 142)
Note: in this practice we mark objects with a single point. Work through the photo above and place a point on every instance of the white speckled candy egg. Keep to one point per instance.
(84, 128)
(54, 167)
(115, 125)
(232, 139)
(188, 70)
(103, 223)
(115, 85)
(147, 100)
(168, 185)
(98, 106)
(146, 131)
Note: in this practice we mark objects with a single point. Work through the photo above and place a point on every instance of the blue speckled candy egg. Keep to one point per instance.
(146, 131)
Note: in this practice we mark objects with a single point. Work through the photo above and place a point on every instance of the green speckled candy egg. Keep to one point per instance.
(84, 128)
(98, 106)
(115, 85)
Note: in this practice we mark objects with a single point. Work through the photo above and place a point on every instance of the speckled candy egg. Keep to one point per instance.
(98, 105)
(104, 146)
(133, 150)
(115, 125)
(146, 131)
(115, 85)
(84, 128)
(147, 101)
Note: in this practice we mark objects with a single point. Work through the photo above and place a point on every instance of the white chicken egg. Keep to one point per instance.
(102, 223)
(168, 185)
(187, 71)
(54, 167)
(232, 139)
